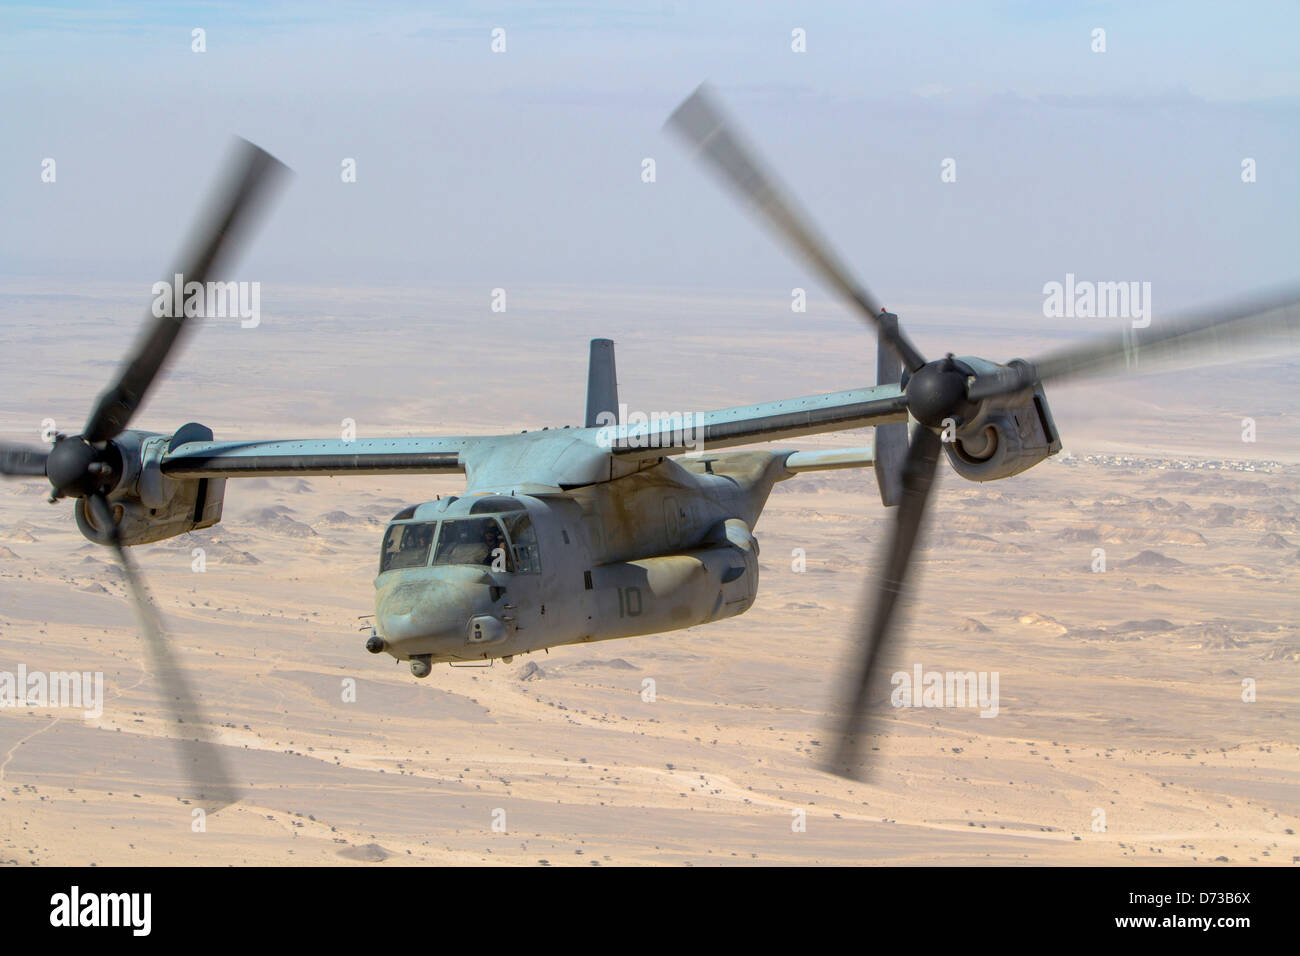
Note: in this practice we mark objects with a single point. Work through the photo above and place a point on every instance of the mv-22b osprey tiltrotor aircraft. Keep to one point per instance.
(567, 535)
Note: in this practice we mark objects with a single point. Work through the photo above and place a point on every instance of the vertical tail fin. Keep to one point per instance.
(890, 447)
(602, 384)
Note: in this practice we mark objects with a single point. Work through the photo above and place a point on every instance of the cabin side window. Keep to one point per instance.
(524, 539)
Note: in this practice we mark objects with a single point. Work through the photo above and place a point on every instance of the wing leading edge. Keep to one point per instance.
(769, 421)
(314, 457)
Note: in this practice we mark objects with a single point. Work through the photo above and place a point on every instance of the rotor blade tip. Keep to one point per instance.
(696, 117)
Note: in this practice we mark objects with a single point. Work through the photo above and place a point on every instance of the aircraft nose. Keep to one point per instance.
(416, 612)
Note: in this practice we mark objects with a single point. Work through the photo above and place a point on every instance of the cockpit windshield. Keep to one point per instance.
(478, 541)
(406, 546)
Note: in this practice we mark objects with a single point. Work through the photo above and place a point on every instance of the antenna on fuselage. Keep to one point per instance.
(602, 384)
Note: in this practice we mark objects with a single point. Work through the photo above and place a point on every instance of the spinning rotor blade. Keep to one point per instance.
(20, 461)
(201, 759)
(1190, 341)
(918, 480)
(233, 209)
(701, 124)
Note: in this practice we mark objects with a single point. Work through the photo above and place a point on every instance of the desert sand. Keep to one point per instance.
(1121, 692)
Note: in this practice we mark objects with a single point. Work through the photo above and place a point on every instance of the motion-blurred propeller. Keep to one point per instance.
(1182, 341)
(201, 759)
(22, 461)
(943, 390)
(883, 595)
(89, 465)
(254, 174)
(702, 124)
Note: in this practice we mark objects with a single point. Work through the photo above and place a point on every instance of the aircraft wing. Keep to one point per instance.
(745, 424)
(661, 436)
(314, 456)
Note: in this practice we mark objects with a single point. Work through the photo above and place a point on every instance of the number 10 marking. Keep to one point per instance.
(629, 602)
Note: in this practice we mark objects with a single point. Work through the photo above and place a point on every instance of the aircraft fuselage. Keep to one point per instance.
(486, 574)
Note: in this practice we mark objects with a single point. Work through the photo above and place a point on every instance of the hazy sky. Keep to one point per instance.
(525, 166)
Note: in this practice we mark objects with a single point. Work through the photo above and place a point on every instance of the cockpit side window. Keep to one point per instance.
(524, 538)
(406, 546)
(474, 541)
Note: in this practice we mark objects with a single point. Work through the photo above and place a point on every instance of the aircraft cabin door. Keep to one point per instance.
(524, 599)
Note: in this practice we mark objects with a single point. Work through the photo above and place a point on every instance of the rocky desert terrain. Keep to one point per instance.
(1147, 712)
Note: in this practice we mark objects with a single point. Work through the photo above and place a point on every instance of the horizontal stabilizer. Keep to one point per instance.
(801, 461)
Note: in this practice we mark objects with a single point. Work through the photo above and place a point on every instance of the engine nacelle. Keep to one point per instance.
(1008, 435)
(148, 505)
